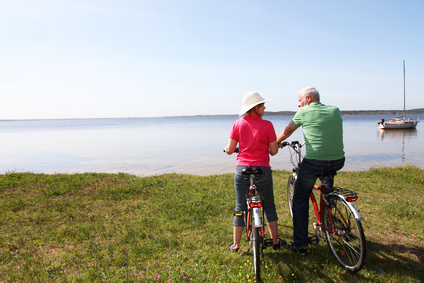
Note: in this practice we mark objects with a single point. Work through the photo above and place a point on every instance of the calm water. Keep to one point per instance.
(192, 145)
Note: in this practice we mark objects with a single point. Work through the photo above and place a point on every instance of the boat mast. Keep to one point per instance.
(403, 89)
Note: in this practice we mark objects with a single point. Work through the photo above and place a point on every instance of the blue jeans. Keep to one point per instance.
(306, 178)
(264, 186)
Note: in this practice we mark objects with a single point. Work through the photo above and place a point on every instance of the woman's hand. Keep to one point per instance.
(231, 147)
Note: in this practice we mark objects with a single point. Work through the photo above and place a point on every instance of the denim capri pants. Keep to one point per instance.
(264, 186)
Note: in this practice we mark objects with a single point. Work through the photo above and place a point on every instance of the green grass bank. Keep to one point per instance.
(175, 228)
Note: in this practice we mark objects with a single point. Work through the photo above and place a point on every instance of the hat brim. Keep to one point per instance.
(246, 108)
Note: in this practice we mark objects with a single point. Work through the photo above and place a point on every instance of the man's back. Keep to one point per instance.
(322, 130)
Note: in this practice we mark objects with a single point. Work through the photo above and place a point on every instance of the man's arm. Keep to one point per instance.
(286, 132)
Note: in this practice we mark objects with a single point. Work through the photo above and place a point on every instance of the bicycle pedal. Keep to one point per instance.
(313, 240)
(268, 243)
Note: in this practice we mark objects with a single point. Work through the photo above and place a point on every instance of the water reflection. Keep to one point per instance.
(398, 135)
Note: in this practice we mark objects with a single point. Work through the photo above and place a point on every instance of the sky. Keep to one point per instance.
(101, 58)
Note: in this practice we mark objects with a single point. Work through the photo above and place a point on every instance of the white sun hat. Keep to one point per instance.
(250, 100)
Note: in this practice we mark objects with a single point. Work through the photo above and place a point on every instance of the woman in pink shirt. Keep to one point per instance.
(257, 140)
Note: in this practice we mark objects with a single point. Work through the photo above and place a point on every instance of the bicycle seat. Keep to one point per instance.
(252, 170)
(328, 174)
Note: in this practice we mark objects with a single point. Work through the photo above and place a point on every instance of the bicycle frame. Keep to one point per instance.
(254, 220)
(254, 203)
(315, 204)
(318, 208)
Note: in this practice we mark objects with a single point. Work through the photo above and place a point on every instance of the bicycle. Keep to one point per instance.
(254, 219)
(337, 217)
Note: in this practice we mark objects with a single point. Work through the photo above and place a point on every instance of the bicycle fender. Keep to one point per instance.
(355, 211)
(351, 206)
(257, 217)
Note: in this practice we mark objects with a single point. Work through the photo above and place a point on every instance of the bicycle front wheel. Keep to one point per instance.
(290, 191)
(344, 234)
(257, 253)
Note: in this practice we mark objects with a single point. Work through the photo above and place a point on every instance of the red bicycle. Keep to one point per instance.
(338, 220)
(254, 219)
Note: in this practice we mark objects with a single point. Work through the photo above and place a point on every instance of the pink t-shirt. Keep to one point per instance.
(254, 136)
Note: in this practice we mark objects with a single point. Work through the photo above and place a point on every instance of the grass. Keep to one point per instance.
(175, 228)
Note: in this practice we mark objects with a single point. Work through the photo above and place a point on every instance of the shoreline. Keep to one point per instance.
(139, 175)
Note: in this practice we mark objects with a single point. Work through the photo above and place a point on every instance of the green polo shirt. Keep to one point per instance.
(322, 130)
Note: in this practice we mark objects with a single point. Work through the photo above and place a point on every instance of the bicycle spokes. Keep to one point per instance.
(345, 235)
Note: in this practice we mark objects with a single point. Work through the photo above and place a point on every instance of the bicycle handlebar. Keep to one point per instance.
(296, 158)
(293, 144)
(235, 151)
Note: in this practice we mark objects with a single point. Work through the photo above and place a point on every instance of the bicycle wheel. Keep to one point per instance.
(347, 239)
(257, 253)
(290, 191)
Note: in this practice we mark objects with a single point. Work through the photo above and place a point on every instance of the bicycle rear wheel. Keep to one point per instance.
(290, 191)
(347, 239)
(257, 253)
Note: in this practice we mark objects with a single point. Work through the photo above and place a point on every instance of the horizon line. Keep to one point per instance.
(419, 111)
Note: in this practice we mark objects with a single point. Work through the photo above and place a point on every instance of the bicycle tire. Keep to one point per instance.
(348, 241)
(257, 253)
(290, 192)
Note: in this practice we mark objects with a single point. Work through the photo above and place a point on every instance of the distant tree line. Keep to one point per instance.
(356, 112)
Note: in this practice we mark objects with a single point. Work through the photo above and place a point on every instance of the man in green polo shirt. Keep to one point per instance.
(323, 133)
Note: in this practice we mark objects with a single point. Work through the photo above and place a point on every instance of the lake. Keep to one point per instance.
(191, 145)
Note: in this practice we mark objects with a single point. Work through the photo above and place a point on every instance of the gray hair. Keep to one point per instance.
(313, 92)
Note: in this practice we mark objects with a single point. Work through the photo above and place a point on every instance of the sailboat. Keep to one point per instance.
(397, 123)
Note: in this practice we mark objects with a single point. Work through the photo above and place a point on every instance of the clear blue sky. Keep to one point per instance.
(100, 58)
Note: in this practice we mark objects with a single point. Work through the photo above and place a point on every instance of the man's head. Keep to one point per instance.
(307, 95)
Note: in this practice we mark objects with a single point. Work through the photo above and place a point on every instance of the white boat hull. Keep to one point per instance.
(398, 124)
